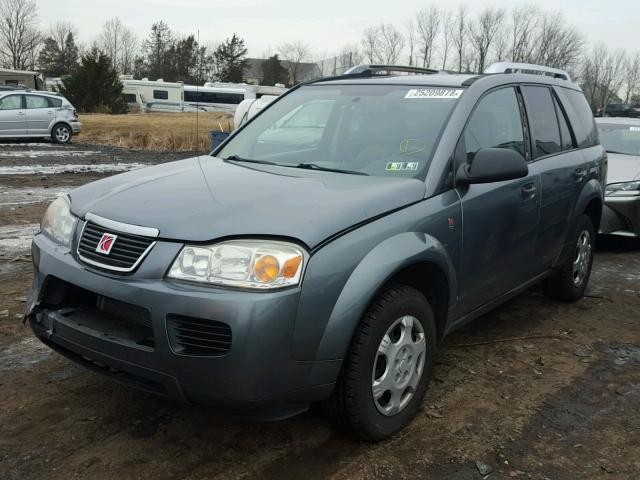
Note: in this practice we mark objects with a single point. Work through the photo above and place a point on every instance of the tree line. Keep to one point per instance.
(450, 39)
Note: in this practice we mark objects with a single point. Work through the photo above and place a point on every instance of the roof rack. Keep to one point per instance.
(512, 67)
(370, 70)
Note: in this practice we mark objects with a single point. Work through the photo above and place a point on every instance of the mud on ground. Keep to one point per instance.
(535, 389)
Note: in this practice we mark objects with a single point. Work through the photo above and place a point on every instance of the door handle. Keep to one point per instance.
(20, 113)
(528, 191)
(50, 112)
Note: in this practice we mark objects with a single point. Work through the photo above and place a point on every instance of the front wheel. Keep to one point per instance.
(61, 133)
(570, 282)
(388, 367)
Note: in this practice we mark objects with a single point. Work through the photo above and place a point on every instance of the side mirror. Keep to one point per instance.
(493, 165)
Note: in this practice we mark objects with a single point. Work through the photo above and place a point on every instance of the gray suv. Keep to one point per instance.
(323, 252)
(32, 114)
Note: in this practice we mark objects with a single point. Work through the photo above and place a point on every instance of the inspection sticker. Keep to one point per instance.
(401, 166)
(434, 93)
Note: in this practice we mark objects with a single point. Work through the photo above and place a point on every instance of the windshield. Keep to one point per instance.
(620, 138)
(381, 130)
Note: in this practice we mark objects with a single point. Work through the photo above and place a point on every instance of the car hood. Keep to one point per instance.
(203, 198)
(623, 168)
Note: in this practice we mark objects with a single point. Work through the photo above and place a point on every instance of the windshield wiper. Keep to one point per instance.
(315, 166)
(237, 158)
(620, 153)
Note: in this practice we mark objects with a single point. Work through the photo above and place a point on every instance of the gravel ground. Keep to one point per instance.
(535, 389)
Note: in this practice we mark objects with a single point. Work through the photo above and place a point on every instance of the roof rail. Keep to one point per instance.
(512, 67)
(369, 70)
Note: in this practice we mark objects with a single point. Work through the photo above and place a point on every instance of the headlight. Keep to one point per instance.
(626, 189)
(58, 223)
(257, 264)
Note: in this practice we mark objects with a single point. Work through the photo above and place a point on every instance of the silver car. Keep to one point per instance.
(37, 114)
(621, 138)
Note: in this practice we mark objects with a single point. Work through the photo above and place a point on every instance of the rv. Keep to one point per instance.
(155, 95)
(216, 96)
(21, 78)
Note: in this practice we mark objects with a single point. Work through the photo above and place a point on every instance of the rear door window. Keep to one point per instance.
(34, 101)
(545, 132)
(495, 123)
(565, 134)
(580, 116)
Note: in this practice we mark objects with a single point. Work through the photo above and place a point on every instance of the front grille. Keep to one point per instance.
(197, 336)
(126, 253)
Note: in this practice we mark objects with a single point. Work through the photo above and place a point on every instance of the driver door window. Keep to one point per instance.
(11, 102)
(495, 123)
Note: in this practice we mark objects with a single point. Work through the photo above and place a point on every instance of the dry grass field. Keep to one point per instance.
(154, 131)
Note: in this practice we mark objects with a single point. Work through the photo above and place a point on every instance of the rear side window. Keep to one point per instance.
(11, 102)
(495, 123)
(54, 102)
(543, 121)
(580, 116)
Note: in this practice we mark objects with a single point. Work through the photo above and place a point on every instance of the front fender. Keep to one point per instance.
(376, 268)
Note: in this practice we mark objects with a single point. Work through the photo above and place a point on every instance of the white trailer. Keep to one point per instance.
(216, 96)
(22, 78)
(155, 95)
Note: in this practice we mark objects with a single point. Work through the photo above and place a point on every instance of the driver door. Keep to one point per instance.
(12, 116)
(500, 219)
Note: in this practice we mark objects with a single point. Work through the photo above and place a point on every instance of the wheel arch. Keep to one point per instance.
(410, 258)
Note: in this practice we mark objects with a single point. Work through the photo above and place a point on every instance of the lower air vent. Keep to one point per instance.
(198, 336)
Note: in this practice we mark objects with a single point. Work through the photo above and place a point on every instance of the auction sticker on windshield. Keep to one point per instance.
(434, 93)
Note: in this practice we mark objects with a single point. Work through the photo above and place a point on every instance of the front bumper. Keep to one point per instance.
(258, 371)
(621, 216)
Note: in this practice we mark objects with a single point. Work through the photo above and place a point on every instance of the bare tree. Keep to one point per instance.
(632, 77)
(372, 44)
(20, 37)
(428, 24)
(603, 75)
(324, 63)
(483, 32)
(119, 43)
(459, 37)
(556, 44)
(410, 26)
(448, 31)
(348, 56)
(295, 53)
(391, 43)
(524, 23)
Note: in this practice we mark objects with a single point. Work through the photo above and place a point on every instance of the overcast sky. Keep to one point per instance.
(325, 25)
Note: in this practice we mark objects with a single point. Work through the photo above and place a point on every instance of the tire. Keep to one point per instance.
(61, 133)
(352, 404)
(569, 283)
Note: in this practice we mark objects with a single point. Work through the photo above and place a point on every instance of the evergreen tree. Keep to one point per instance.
(273, 72)
(230, 59)
(69, 55)
(157, 51)
(56, 60)
(49, 58)
(94, 85)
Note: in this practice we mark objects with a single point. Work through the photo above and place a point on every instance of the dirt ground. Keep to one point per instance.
(533, 390)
